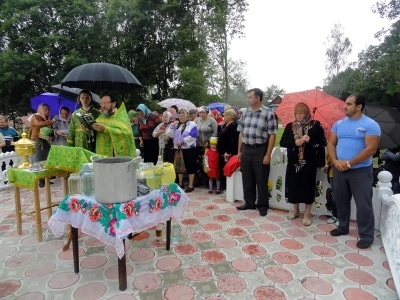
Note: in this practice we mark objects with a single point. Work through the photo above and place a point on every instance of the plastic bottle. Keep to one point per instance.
(176, 232)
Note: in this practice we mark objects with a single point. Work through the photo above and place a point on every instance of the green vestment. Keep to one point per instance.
(77, 137)
(117, 139)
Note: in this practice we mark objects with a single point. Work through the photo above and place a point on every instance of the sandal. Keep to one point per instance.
(306, 222)
(210, 191)
(217, 192)
(189, 189)
(292, 216)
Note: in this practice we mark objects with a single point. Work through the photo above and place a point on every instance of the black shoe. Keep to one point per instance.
(51, 182)
(41, 183)
(336, 232)
(245, 207)
(182, 186)
(189, 189)
(361, 244)
(263, 212)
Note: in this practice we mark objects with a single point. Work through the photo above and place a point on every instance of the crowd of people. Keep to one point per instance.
(205, 141)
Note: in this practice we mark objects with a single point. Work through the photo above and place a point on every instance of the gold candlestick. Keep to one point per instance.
(24, 147)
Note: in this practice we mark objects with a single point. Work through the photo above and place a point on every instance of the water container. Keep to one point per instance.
(176, 232)
(74, 185)
(88, 181)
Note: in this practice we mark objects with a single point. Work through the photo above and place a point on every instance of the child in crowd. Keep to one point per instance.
(211, 161)
(329, 170)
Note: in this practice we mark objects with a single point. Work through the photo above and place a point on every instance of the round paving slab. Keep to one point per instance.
(323, 251)
(93, 262)
(252, 214)
(141, 255)
(285, 257)
(7, 251)
(168, 263)
(212, 226)
(326, 239)
(31, 296)
(158, 243)
(278, 274)
(31, 240)
(185, 249)
(112, 271)
(141, 236)
(297, 223)
(268, 293)
(270, 227)
(193, 204)
(202, 198)
(262, 237)
(236, 231)
(352, 244)
(358, 259)
(222, 218)
(317, 285)
(200, 237)
(123, 297)
(40, 269)
(291, 244)
(276, 219)
(190, 222)
(390, 283)
(147, 282)
(198, 273)
(211, 207)
(8, 287)
(354, 233)
(320, 266)
(244, 222)
(90, 291)
(20, 260)
(244, 265)
(385, 264)
(179, 292)
(213, 256)
(359, 276)
(326, 227)
(51, 246)
(219, 201)
(93, 242)
(201, 214)
(111, 249)
(231, 284)
(230, 210)
(225, 243)
(357, 294)
(63, 280)
(296, 233)
(254, 250)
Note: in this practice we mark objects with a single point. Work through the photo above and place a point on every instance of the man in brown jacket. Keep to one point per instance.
(42, 144)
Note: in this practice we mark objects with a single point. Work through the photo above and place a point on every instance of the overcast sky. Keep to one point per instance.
(284, 41)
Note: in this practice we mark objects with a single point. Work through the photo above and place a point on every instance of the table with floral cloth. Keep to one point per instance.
(112, 223)
(27, 179)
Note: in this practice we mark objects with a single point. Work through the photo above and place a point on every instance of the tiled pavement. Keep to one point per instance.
(223, 254)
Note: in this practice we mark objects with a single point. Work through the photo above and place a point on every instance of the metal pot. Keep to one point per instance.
(115, 179)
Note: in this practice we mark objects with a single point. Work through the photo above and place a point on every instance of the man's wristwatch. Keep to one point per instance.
(348, 164)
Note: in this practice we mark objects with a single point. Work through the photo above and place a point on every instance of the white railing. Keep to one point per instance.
(7, 160)
(390, 224)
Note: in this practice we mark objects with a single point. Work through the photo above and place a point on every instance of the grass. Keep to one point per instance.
(278, 136)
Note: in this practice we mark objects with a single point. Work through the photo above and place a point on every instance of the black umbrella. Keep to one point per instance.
(74, 91)
(101, 76)
(388, 119)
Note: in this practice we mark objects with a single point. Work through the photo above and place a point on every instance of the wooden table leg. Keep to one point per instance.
(75, 248)
(122, 271)
(168, 247)
(18, 214)
(65, 185)
(38, 216)
(48, 197)
(69, 239)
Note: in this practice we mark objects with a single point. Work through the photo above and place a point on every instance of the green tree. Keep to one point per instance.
(272, 91)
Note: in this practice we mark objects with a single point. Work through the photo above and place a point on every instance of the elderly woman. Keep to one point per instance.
(135, 127)
(302, 138)
(184, 134)
(228, 139)
(148, 121)
(78, 135)
(207, 128)
(164, 142)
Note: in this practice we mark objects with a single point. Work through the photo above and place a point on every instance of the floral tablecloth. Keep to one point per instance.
(111, 223)
(27, 179)
(66, 158)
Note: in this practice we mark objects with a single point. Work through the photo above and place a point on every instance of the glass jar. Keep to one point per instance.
(176, 232)
(74, 184)
(88, 181)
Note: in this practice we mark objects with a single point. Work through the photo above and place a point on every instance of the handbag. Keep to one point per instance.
(179, 163)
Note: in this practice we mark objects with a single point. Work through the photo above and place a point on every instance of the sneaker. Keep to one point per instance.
(332, 220)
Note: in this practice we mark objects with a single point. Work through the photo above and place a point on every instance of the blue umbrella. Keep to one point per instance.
(55, 101)
(218, 106)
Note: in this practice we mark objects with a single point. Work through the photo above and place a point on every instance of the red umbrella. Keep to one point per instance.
(324, 108)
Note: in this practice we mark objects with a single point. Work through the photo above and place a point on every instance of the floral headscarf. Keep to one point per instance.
(300, 129)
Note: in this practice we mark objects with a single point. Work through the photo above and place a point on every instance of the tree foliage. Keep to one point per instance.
(272, 91)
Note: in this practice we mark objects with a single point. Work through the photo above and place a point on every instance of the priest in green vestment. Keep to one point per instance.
(114, 134)
(78, 135)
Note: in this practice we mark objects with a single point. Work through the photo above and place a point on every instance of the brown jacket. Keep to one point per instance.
(37, 122)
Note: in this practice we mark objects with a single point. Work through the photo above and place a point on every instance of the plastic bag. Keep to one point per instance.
(179, 163)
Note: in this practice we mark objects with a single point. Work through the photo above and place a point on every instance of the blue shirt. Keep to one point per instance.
(351, 138)
(9, 131)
